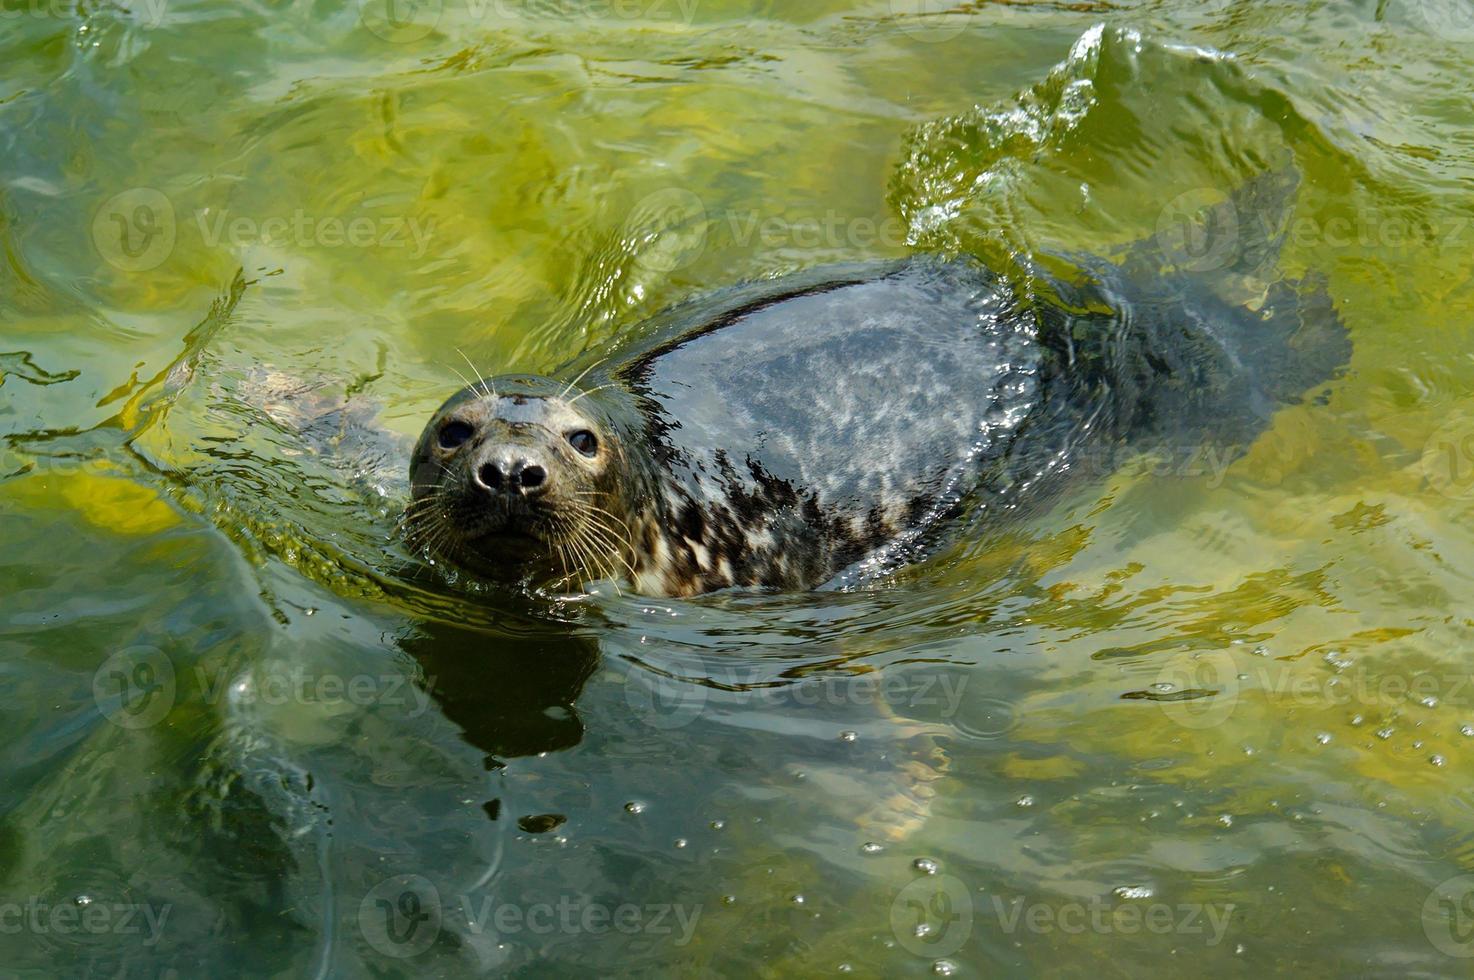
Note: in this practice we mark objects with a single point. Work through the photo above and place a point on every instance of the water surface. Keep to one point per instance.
(1209, 714)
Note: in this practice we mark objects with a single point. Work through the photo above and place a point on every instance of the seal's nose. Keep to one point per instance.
(519, 477)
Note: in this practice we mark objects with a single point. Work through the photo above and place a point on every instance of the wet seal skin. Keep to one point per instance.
(828, 427)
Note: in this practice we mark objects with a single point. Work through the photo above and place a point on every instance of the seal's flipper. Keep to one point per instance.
(331, 423)
(1224, 240)
(1191, 340)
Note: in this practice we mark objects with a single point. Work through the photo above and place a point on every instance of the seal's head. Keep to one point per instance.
(520, 477)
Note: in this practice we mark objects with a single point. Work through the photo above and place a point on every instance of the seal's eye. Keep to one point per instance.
(454, 434)
(583, 440)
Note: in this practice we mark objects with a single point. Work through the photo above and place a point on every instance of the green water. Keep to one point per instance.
(1206, 716)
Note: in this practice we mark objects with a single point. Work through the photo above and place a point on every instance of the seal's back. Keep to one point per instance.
(800, 425)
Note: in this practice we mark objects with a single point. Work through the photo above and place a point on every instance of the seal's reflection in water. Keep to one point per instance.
(376, 829)
(511, 695)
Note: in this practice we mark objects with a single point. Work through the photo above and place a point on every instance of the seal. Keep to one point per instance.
(826, 428)
(767, 437)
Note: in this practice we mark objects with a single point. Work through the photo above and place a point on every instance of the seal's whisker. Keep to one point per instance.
(589, 391)
(595, 509)
(603, 538)
(582, 374)
(562, 560)
(587, 545)
(581, 559)
(424, 502)
(611, 537)
(601, 534)
(591, 495)
(485, 387)
(430, 540)
(464, 380)
(576, 537)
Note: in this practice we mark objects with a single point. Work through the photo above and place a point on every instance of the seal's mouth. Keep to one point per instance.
(509, 527)
(460, 526)
(495, 546)
(516, 541)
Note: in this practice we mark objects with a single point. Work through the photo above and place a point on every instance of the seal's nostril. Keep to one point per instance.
(532, 477)
(489, 476)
